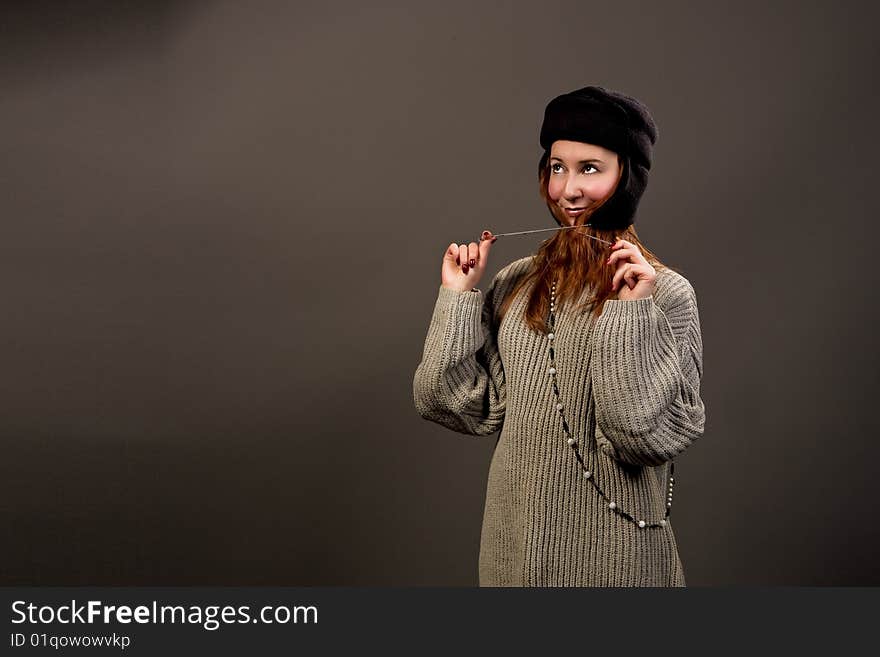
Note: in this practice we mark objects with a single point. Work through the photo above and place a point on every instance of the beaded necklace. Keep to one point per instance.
(573, 443)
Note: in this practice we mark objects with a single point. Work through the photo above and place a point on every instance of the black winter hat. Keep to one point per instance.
(610, 119)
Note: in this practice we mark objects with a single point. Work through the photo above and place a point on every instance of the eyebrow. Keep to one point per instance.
(581, 162)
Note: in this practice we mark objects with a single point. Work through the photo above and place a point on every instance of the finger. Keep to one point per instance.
(452, 253)
(619, 275)
(463, 257)
(484, 248)
(631, 276)
(630, 252)
(620, 253)
(473, 254)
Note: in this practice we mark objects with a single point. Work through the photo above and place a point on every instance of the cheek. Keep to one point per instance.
(554, 189)
(602, 188)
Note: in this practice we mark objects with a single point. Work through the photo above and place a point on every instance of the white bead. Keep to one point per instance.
(552, 370)
(662, 523)
(571, 441)
(550, 336)
(587, 474)
(641, 523)
(558, 407)
(612, 505)
(669, 504)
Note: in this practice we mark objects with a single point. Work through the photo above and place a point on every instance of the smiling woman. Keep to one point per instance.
(593, 401)
(577, 184)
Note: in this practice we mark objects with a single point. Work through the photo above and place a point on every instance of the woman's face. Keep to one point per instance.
(580, 174)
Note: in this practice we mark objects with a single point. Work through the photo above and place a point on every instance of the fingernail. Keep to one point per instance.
(464, 269)
(486, 233)
(472, 262)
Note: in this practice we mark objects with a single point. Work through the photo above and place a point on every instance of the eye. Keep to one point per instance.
(557, 164)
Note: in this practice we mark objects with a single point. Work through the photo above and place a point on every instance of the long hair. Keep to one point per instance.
(576, 260)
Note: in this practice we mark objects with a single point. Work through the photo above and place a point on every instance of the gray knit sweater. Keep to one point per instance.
(630, 384)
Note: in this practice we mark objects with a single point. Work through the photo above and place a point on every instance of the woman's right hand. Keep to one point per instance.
(464, 264)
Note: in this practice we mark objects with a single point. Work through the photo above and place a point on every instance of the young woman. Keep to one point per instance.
(588, 358)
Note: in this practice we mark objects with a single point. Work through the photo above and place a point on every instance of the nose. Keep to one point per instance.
(571, 191)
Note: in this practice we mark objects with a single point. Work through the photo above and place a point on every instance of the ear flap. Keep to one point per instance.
(619, 211)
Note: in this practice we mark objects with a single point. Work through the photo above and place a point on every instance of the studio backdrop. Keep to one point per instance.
(223, 229)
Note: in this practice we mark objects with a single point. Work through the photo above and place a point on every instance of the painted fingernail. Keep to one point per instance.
(472, 262)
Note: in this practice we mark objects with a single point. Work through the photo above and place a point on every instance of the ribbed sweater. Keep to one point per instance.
(629, 382)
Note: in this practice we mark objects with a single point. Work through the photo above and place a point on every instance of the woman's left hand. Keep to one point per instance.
(634, 276)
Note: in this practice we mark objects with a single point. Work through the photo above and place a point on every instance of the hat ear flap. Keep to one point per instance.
(624, 174)
(618, 211)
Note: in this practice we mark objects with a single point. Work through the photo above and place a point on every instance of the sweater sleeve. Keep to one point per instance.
(646, 367)
(459, 382)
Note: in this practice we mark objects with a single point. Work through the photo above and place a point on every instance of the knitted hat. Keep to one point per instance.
(595, 115)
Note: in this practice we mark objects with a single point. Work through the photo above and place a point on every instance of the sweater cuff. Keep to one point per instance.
(637, 312)
(464, 312)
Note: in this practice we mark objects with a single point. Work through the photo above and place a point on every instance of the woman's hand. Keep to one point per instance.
(464, 264)
(633, 270)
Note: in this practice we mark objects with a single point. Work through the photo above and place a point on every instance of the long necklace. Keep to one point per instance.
(573, 443)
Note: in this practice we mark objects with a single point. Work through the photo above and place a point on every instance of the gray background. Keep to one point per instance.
(223, 225)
